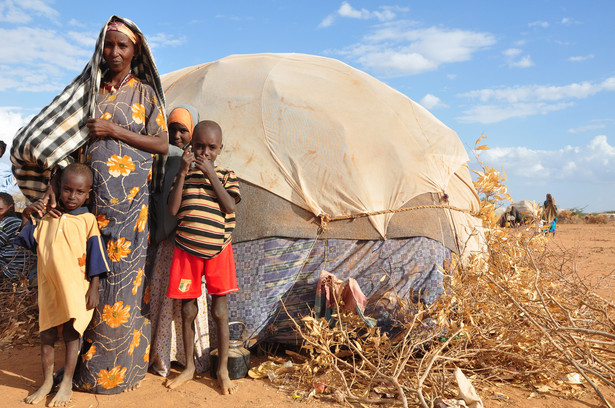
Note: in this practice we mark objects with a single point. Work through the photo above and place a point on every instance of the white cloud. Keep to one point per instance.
(580, 58)
(162, 39)
(20, 11)
(384, 13)
(36, 59)
(586, 128)
(524, 62)
(11, 120)
(430, 101)
(569, 21)
(540, 24)
(29, 45)
(512, 52)
(327, 21)
(496, 113)
(542, 92)
(398, 49)
(593, 163)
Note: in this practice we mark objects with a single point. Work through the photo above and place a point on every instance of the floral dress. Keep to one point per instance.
(115, 352)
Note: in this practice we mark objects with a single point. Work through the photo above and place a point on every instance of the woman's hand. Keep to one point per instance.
(49, 200)
(101, 128)
(38, 206)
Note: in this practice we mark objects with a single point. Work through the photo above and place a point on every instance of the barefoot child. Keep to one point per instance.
(204, 199)
(71, 259)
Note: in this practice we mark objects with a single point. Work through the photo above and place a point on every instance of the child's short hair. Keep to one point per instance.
(78, 168)
(208, 124)
(7, 198)
(9, 201)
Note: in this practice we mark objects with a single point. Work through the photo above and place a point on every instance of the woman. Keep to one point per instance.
(167, 331)
(549, 214)
(121, 126)
(14, 262)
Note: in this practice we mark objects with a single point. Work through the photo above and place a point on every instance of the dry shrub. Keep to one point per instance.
(568, 217)
(18, 314)
(518, 314)
(597, 219)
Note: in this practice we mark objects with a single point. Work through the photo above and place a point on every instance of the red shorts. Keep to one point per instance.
(187, 271)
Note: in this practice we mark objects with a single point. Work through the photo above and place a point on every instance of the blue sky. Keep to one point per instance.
(536, 77)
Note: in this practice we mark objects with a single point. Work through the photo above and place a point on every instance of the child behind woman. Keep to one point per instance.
(71, 259)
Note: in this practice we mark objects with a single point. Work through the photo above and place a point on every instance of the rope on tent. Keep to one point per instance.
(325, 219)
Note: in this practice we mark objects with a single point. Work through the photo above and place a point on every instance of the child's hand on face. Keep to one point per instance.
(187, 160)
(205, 165)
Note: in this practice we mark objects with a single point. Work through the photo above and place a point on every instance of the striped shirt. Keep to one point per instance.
(13, 261)
(204, 229)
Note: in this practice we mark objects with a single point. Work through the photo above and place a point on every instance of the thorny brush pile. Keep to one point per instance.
(519, 314)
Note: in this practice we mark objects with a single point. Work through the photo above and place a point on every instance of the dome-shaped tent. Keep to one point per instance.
(314, 139)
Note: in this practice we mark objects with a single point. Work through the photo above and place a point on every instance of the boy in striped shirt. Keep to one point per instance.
(203, 197)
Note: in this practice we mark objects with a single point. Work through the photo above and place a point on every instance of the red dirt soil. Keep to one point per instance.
(20, 368)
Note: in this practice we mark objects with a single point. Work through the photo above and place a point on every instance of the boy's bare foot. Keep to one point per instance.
(62, 397)
(186, 375)
(226, 384)
(39, 394)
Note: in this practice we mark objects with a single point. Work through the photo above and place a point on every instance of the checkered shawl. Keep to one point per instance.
(60, 128)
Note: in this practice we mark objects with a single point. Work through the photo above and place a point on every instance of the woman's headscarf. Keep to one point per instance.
(60, 128)
(550, 211)
(117, 25)
(187, 115)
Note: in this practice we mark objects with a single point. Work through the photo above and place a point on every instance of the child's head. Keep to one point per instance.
(207, 140)
(7, 205)
(181, 122)
(75, 186)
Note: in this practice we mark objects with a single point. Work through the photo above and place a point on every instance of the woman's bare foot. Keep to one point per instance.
(226, 384)
(186, 375)
(133, 387)
(40, 394)
(63, 396)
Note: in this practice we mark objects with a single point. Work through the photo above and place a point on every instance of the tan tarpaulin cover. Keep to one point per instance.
(325, 136)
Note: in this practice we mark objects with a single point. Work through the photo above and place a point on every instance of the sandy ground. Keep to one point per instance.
(593, 248)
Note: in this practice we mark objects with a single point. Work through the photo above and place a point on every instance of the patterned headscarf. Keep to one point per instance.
(187, 115)
(117, 25)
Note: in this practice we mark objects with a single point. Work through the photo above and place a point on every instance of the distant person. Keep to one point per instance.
(14, 262)
(71, 260)
(204, 197)
(549, 214)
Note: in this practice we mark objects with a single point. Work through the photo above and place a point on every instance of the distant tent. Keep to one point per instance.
(317, 145)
